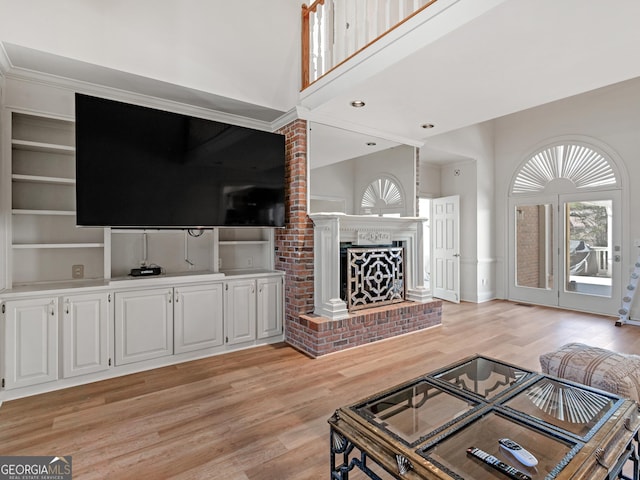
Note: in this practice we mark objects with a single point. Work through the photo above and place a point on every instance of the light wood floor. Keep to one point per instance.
(262, 413)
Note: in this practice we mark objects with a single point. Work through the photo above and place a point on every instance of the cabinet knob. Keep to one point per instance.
(177, 296)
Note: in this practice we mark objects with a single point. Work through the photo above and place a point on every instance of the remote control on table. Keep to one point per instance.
(492, 461)
(523, 456)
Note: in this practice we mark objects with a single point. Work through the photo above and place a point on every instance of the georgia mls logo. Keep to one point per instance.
(60, 465)
(35, 468)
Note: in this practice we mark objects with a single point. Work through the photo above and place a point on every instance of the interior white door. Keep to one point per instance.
(445, 238)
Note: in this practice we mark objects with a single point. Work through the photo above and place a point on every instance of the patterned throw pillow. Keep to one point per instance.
(613, 372)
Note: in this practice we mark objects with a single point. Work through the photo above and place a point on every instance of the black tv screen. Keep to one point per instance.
(138, 167)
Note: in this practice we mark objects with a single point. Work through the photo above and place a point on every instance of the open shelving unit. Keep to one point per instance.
(46, 246)
(45, 243)
(246, 248)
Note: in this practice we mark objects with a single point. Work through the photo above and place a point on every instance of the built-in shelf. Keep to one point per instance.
(27, 246)
(43, 179)
(43, 212)
(42, 147)
(46, 243)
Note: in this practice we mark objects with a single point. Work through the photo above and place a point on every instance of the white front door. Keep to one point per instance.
(565, 251)
(445, 238)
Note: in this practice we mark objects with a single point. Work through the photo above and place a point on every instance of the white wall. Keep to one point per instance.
(333, 182)
(474, 183)
(167, 40)
(429, 180)
(610, 116)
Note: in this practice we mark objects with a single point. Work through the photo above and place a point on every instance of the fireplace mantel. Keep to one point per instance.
(331, 229)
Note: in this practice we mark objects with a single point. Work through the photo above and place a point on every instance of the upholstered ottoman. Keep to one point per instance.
(613, 372)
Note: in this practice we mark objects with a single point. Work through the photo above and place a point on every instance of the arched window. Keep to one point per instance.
(581, 165)
(381, 197)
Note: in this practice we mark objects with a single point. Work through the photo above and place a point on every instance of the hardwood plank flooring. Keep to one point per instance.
(261, 414)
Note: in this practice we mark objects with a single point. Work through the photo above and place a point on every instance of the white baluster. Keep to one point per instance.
(373, 8)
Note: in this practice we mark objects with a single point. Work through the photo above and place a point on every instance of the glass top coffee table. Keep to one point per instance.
(447, 424)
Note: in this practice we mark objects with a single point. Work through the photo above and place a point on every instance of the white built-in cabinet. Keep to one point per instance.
(30, 341)
(81, 336)
(158, 322)
(240, 310)
(198, 317)
(253, 309)
(85, 333)
(71, 313)
(269, 306)
(144, 325)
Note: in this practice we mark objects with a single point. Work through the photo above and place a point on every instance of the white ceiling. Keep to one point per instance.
(515, 55)
(210, 52)
(458, 63)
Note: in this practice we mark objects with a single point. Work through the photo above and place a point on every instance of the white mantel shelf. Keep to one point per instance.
(330, 229)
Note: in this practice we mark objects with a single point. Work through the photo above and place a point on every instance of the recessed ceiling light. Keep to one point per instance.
(357, 103)
(371, 144)
(427, 125)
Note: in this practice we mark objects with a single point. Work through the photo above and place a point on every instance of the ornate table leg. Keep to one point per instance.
(634, 458)
(340, 445)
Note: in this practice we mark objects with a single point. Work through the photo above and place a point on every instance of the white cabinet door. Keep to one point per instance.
(240, 311)
(85, 334)
(269, 308)
(31, 341)
(198, 317)
(144, 325)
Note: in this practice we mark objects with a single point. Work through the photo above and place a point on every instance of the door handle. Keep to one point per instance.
(456, 254)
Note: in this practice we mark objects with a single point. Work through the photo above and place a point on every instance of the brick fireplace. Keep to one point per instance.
(317, 320)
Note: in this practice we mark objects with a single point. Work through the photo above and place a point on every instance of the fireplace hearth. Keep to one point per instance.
(337, 323)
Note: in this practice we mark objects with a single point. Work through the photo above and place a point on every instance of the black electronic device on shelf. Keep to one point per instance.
(145, 271)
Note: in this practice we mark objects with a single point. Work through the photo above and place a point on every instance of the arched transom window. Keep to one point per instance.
(382, 196)
(579, 164)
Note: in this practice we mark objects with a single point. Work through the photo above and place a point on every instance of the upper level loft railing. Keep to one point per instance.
(335, 30)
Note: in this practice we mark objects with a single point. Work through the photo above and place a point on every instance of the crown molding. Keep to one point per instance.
(5, 63)
(112, 93)
(285, 119)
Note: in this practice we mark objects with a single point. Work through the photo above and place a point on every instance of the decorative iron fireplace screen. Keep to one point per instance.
(375, 276)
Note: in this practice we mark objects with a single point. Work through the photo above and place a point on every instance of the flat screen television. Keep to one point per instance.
(139, 167)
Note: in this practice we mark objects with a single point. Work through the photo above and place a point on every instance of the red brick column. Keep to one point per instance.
(294, 243)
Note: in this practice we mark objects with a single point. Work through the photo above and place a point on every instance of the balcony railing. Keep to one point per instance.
(335, 30)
